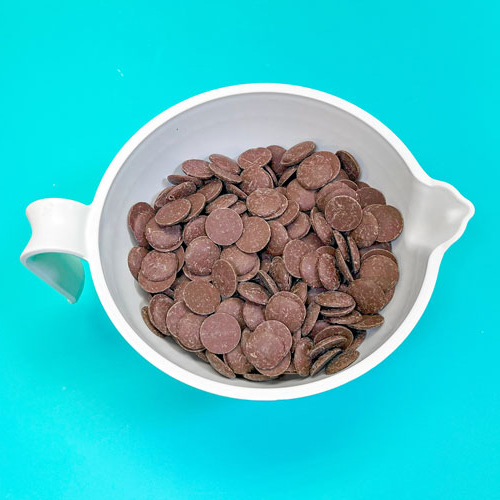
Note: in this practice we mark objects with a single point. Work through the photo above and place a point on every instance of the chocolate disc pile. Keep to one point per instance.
(274, 264)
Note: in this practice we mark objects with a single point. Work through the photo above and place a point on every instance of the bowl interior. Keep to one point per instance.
(229, 125)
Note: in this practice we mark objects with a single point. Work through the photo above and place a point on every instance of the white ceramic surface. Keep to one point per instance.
(228, 121)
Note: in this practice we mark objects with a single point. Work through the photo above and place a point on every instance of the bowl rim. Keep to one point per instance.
(268, 393)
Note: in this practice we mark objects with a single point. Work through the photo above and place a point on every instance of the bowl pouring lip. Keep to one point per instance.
(264, 393)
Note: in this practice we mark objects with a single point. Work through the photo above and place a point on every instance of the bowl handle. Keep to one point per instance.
(57, 244)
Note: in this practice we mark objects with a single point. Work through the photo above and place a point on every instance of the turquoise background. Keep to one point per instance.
(83, 416)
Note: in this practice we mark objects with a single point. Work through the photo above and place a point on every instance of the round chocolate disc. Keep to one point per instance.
(201, 297)
(343, 213)
(224, 226)
(220, 333)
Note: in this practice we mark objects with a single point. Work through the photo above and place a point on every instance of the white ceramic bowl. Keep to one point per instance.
(228, 121)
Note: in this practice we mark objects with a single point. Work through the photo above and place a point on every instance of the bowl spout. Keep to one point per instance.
(440, 214)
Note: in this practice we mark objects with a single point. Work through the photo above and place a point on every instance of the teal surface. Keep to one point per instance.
(83, 416)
